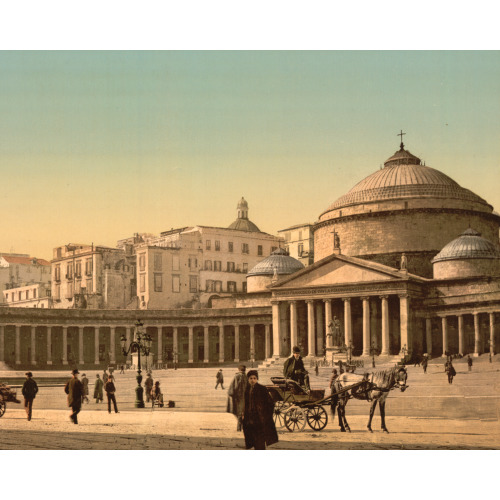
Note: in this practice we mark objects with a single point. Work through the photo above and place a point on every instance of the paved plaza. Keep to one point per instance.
(430, 414)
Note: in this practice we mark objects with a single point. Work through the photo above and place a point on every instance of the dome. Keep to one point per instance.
(469, 245)
(280, 261)
(403, 176)
(243, 223)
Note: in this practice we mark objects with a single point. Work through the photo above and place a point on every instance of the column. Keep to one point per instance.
(128, 335)
(477, 335)
(366, 326)
(319, 323)
(18, 344)
(49, 345)
(405, 333)
(190, 344)
(347, 321)
(444, 323)
(428, 334)
(461, 335)
(176, 344)
(159, 331)
(96, 345)
(33, 344)
(328, 319)
(293, 325)
(373, 324)
(112, 343)
(2, 343)
(252, 342)
(268, 340)
(221, 343)
(492, 333)
(206, 346)
(80, 345)
(310, 328)
(276, 328)
(65, 345)
(385, 325)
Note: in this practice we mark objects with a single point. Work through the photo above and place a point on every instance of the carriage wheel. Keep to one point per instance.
(2, 408)
(295, 419)
(317, 418)
(280, 408)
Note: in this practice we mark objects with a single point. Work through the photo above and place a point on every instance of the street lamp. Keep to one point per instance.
(141, 343)
(373, 351)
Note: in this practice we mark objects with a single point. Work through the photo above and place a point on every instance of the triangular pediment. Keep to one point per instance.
(339, 270)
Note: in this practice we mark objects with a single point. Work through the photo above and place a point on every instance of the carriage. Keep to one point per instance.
(6, 395)
(294, 405)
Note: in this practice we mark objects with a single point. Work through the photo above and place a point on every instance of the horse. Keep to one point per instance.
(372, 387)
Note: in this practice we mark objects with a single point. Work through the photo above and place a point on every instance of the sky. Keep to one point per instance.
(96, 146)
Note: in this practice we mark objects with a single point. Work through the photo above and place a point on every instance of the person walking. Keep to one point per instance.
(450, 370)
(105, 376)
(316, 369)
(236, 395)
(30, 388)
(335, 398)
(258, 425)
(85, 383)
(148, 385)
(469, 362)
(122, 370)
(220, 379)
(424, 363)
(98, 394)
(74, 390)
(110, 394)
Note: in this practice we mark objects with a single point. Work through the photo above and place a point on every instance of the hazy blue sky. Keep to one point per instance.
(95, 146)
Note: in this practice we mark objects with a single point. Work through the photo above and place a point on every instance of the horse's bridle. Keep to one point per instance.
(401, 383)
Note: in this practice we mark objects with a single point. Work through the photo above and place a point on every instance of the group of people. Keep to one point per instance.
(153, 391)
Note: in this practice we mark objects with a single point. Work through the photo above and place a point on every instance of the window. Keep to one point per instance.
(287, 236)
(259, 250)
(57, 292)
(175, 263)
(59, 253)
(218, 286)
(142, 262)
(208, 265)
(88, 284)
(193, 284)
(244, 248)
(209, 286)
(230, 267)
(406, 205)
(69, 271)
(57, 273)
(78, 268)
(208, 245)
(230, 246)
(245, 267)
(231, 286)
(158, 282)
(217, 265)
(217, 245)
(176, 284)
(88, 267)
(69, 291)
(192, 262)
(300, 248)
(142, 282)
(244, 287)
(157, 262)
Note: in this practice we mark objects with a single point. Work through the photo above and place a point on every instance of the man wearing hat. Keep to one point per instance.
(30, 388)
(236, 395)
(294, 369)
(74, 390)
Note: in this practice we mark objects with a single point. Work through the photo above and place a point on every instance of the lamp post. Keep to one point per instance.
(373, 351)
(141, 343)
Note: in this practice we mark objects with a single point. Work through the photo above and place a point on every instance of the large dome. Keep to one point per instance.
(469, 245)
(403, 176)
(278, 261)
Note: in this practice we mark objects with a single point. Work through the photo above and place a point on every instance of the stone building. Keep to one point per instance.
(32, 295)
(299, 242)
(93, 277)
(18, 270)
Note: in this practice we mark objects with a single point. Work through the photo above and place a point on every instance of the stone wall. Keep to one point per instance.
(466, 268)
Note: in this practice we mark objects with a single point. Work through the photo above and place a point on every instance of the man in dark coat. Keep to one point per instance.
(258, 424)
(450, 370)
(30, 388)
(219, 378)
(236, 395)
(424, 363)
(294, 369)
(110, 393)
(469, 362)
(74, 390)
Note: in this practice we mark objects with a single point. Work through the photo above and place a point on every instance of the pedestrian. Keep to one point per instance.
(156, 394)
(424, 364)
(316, 369)
(469, 362)
(122, 370)
(148, 385)
(30, 388)
(74, 390)
(335, 398)
(110, 393)
(491, 358)
(294, 369)
(258, 424)
(450, 370)
(341, 369)
(236, 395)
(416, 360)
(85, 382)
(220, 379)
(105, 376)
(98, 394)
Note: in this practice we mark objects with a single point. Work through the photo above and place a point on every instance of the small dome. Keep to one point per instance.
(244, 225)
(280, 261)
(242, 203)
(469, 245)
